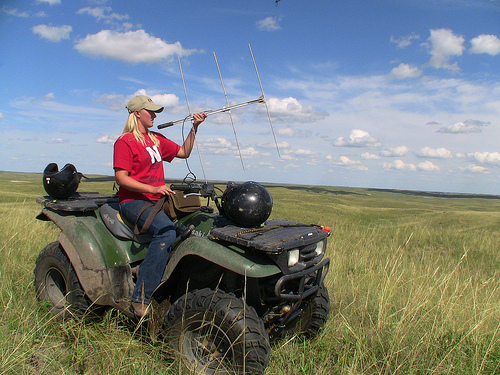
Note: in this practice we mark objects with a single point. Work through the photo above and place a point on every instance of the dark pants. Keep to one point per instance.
(163, 231)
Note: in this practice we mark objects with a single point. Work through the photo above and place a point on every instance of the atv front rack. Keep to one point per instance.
(274, 237)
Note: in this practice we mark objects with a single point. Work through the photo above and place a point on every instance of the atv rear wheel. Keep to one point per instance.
(56, 282)
(217, 333)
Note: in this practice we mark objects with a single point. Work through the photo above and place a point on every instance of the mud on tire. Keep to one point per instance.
(216, 333)
(57, 283)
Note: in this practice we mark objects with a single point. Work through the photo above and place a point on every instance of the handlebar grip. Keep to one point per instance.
(180, 187)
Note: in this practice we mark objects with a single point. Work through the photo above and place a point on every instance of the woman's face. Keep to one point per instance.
(145, 119)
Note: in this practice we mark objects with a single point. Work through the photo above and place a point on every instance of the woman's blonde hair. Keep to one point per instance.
(132, 126)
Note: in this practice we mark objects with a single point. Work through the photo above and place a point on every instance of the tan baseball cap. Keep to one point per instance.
(143, 102)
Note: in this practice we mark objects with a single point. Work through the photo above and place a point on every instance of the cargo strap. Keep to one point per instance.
(156, 208)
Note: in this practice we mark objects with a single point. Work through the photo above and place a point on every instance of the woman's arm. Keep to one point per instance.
(187, 147)
(124, 180)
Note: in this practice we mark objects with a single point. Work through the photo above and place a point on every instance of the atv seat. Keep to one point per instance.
(111, 217)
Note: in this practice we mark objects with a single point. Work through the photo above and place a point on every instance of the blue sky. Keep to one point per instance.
(400, 94)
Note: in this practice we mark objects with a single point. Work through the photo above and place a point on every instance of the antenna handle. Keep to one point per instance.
(166, 125)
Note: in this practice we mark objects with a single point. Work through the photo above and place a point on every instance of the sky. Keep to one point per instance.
(397, 94)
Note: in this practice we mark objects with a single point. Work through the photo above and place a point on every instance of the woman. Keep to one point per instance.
(138, 163)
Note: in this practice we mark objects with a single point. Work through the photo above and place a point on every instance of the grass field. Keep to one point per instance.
(414, 283)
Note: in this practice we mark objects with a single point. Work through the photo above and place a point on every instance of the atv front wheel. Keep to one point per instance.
(57, 283)
(217, 333)
(314, 316)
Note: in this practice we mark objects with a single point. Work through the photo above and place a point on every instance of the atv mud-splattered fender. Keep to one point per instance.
(101, 261)
(234, 259)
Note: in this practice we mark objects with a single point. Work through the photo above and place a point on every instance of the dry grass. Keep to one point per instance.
(414, 284)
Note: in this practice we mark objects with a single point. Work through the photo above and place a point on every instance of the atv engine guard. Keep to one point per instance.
(304, 290)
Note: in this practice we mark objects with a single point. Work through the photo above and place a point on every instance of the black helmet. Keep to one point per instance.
(63, 183)
(248, 204)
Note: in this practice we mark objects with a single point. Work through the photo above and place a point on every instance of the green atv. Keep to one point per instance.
(227, 291)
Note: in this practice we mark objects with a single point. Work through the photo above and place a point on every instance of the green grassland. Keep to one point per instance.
(414, 284)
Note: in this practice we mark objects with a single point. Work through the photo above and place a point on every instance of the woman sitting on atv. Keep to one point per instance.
(138, 163)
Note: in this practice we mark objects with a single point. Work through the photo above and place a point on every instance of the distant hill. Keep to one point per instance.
(438, 194)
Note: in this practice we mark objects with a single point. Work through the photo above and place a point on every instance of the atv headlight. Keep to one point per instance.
(320, 247)
(293, 257)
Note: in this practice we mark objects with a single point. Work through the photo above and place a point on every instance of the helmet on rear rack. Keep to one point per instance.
(248, 204)
(61, 184)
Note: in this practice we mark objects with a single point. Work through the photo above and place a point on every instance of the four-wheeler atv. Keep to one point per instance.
(227, 290)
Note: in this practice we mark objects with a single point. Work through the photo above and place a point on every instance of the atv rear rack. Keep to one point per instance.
(78, 202)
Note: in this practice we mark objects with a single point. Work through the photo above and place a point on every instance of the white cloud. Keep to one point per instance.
(489, 44)
(219, 145)
(291, 107)
(396, 151)
(165, 100)
(301, 153)
(56, 140)
(286, 131)
(348, 163)
(249, 151)
(115, 102)
(103, 13)
(304, 152)
(404, 41)
(107, 139)
(357, 138)
(344, 160)
(439, 153)
(400, 165)
(368, 156)
(428, 166)
(1, 115)
(467, 126)
(50, 2)
(475, 169)
(14, 12)
(132, 46)
(48, 97)
(487, 157)
(444, 45)
(268, 24)
(52, 33)
(405, 71)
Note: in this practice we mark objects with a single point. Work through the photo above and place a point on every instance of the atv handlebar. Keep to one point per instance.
(205, 190)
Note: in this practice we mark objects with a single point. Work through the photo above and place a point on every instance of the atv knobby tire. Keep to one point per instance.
(314, 316)
(217, 333)
(57, 283)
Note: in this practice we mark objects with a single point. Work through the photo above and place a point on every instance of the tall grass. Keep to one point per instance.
(414, 286)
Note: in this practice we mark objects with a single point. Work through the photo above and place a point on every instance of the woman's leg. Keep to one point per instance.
(163, 231)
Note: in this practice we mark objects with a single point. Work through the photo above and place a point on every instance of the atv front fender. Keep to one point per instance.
(232, 258)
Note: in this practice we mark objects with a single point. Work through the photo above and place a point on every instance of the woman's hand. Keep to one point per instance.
(163, 190)
(198, 118)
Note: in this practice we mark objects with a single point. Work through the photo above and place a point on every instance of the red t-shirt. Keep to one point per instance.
(143, 162)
